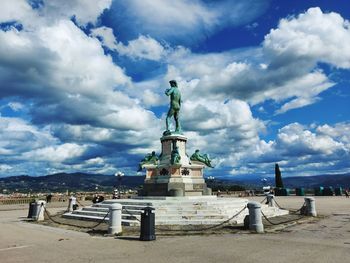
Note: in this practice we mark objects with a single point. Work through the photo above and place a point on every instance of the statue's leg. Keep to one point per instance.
(170, 114)
(177, 121)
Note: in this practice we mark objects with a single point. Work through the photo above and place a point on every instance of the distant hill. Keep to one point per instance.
(334, 180)
(61, 182)
(67, 181)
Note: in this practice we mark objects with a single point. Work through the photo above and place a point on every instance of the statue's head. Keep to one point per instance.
(173, 83)
(197, 151)
(153, 153)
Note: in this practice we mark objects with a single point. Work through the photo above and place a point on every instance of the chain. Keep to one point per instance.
(67, 224)
(291, 210)
(80, 203)
(205, 228)
(284, 222)
(126, 210)
(262, 201)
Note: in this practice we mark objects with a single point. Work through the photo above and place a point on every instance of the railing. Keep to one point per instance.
(15, 201)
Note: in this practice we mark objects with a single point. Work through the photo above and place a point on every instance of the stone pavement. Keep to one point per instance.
(324, 240)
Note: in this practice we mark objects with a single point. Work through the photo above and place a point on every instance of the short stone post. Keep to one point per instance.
(115, 219)
(72, 202)
(255, 217)
(270, 200)
(310, 204)
(39, 210)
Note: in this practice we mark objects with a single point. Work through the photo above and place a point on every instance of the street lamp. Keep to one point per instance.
(119, 175)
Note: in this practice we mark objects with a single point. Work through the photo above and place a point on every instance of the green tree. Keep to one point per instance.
(278, 177)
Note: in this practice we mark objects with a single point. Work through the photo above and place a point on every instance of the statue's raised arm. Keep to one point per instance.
(175, 105)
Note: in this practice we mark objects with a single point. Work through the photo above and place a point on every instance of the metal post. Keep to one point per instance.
(115, 219)
(270, 200)
(32, 206)
(255, 217)
(119, 175)
(39, 210)
(147, 225)
(72, 202)
(310, 206)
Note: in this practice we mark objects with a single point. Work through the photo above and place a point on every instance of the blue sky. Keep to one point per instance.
(82, 84)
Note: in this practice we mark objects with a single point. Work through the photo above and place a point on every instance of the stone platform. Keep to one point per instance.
(188, 210)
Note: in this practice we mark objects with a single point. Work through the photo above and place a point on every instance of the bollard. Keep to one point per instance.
(255, 220)
(32, 206)
(270, 200)
(115, 219)
(147, 225)
(72, 202)
(38, 213)
(310, 204)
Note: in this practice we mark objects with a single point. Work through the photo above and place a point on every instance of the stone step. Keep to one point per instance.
(178, 216)
(175, 211)
(125, 222)
(189, 210)
(192, 222)
(162, 221)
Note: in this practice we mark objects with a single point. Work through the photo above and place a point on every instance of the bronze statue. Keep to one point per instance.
(175, 105)
(175, 156)
(150, 158)
(203, 158)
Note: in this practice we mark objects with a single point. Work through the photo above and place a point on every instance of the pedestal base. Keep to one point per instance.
(174, 178)
(174, 187)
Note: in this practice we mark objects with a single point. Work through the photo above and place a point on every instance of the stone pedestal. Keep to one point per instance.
(166, 179)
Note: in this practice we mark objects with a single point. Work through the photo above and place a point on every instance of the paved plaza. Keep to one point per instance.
(323, 240)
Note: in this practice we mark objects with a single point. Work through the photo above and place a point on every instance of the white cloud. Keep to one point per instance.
(12, 11)
(107, 36)
(314, 36)
(17, 136)
(15, 106)
(85, 11)
(285, 69)
(57, 153)
(299, 141)
(5, 168)
(300, 150)
(49, 12)
(143, 47)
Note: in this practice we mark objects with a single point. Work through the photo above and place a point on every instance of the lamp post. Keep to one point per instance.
(119, 175)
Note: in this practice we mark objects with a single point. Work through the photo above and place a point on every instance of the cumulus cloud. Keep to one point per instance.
(144, 47)
(57, 154)
(317, 149)
(65, 79)
(87, 114)
(314, 36)
(106, 35)
(12, 11)
(49, 12)
(84, 11)
(67, 73)
(21, 143)
(285, 69)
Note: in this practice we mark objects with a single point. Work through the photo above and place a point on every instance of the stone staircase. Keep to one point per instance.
(200, 210)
